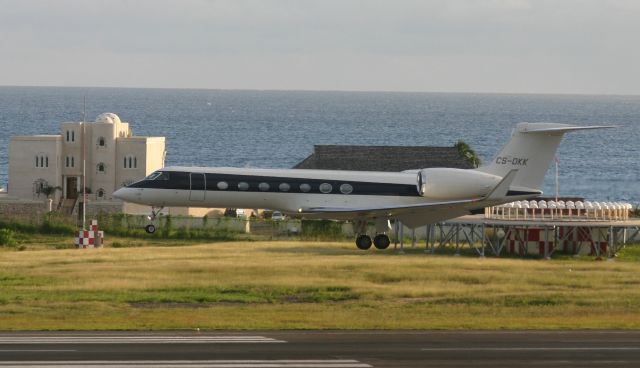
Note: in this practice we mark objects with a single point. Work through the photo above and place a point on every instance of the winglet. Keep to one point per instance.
(502, 188)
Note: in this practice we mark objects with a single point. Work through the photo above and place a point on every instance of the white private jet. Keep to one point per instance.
(415, 197)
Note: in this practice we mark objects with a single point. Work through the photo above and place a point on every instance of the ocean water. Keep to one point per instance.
(279, 128)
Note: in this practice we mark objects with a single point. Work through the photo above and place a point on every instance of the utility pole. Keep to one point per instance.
(84, 163)
(557, 180)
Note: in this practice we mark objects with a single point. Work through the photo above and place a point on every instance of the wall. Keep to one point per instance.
(22, 208)
(22, 168)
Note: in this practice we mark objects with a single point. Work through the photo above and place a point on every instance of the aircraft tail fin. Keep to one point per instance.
(530, 150)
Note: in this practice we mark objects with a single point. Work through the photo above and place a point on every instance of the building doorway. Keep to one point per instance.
(72, 187)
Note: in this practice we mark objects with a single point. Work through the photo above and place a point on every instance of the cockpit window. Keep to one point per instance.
(153, 175)
(158, 175)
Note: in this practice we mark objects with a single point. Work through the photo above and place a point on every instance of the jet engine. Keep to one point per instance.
(453, 184)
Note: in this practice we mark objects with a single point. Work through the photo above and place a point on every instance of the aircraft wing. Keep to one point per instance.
(414, 215)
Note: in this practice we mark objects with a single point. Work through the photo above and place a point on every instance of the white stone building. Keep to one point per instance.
(114, 157)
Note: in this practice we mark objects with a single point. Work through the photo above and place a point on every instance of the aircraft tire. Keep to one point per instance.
(150, 229)
(363, 242)
(381, 241)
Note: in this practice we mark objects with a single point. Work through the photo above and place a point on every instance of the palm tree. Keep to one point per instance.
(467, 153)
(49, 190)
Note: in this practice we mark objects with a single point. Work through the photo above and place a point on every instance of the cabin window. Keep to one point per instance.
(223, 185)
(243, 185)
(346, 189)
(163, 176)
(263, 187)
(305, 188)
(325, 188)
(284, 187)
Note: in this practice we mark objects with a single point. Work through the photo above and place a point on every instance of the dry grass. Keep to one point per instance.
(269, 285)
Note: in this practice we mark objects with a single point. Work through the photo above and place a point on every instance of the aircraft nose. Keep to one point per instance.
(124, 194)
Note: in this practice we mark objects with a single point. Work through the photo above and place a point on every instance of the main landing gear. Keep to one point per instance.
(380, 241)
(151, 228)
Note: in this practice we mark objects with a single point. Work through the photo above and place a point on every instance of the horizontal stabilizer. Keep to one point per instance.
(563, 129)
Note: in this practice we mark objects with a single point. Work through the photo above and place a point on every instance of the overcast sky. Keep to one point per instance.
(522, 46)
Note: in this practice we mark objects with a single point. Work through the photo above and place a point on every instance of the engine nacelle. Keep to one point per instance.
(447, 183)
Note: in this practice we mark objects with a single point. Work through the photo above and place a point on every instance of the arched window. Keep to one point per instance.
(101, 142)
(130, 162)
(42, 160)
(38, 186)
(100, 193)
(101, 168)
(73, 136)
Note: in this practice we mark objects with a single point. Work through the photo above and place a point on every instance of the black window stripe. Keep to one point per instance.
(179, 180)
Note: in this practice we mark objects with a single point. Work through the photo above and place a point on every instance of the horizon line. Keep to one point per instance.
(332, 90)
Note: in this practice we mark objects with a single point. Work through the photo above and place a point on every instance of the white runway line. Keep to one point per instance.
(36, 350)
(9, 340)
(554, 348)
(312, 363)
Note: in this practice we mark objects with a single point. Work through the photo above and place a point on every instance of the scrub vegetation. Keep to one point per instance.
(308, 285)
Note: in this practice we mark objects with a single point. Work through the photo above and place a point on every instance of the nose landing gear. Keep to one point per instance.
(151, 228)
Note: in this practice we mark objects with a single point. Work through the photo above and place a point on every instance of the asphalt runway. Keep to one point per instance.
(311, 349)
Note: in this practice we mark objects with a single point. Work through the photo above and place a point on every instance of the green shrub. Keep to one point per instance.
(166, 230)
(322, 229)
(52, 225)
(7, 238)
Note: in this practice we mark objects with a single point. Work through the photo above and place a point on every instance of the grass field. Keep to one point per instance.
(307, 285)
